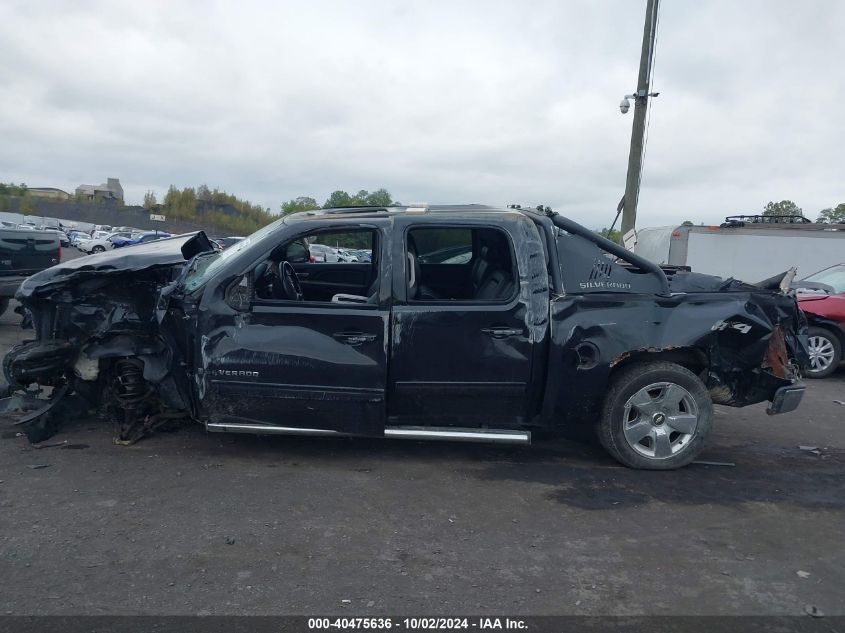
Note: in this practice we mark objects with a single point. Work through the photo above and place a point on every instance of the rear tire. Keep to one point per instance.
(825, 352)
(656, 416)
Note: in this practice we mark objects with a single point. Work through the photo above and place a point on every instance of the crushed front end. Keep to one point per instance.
(99, 344)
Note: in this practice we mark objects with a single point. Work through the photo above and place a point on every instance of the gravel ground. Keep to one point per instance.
(191, 523)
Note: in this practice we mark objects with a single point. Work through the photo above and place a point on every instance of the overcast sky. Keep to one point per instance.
(438, 102)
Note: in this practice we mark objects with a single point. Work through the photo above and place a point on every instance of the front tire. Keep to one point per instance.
(98, 249)
(825, 352)
(656, 416)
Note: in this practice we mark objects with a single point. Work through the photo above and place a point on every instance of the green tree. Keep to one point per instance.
(11, 189)
(378, 198)
(339, 199)
(181, 204)
(171, 197)
(27, 206)
(784, 207)
(835, 215)
(302, 203)
(612, 235)
(188, 202)
(223, 210)
(4, 202)
(150, 200)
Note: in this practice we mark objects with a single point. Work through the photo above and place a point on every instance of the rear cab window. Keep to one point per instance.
(465, 264)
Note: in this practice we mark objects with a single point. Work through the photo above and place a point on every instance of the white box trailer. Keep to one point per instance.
(752, 252)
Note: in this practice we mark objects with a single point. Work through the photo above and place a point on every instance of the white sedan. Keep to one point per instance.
(102, 241)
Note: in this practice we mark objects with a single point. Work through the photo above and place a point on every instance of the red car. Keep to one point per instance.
(822, 298)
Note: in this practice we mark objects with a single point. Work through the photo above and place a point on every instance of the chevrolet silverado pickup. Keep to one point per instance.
(530, 324)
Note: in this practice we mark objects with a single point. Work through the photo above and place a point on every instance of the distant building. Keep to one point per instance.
(48, 192)
(110, 190)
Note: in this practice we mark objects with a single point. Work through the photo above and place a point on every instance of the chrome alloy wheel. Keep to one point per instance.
(821, 353)
(660, 420)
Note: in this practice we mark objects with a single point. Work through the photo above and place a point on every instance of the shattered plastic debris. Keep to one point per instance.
(813, 611)
(802, 574)
(810, 449)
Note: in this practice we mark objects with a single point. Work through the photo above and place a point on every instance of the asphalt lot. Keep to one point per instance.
(186, 522)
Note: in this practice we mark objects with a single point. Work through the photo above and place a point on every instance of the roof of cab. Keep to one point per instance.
(459, 210)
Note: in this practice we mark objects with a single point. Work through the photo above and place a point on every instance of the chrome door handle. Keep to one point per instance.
(501, 332)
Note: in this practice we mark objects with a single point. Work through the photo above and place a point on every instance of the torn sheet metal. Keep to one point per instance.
(98, 343)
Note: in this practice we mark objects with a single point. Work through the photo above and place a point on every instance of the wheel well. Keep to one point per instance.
(689, 357)
(833, 328)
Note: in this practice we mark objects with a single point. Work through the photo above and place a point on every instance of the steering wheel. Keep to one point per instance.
(290, 282)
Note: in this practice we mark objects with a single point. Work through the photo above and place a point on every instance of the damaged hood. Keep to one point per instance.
(161, 253)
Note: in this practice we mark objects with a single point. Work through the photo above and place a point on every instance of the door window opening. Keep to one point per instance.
(473, 265)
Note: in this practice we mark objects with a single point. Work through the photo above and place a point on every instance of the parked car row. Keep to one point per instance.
(31, 226)
(323, 253)
(101, 241)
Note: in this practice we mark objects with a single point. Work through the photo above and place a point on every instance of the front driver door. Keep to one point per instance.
(310, 365)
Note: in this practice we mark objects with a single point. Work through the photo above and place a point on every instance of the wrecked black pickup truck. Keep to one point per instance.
(469, 323)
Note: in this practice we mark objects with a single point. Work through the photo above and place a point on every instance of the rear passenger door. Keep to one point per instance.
(460, 350)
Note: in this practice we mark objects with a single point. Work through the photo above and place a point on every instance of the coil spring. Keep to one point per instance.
(129, 386)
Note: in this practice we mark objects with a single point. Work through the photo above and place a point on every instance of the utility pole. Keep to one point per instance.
(635, 157)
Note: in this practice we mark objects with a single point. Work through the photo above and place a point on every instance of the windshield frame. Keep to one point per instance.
(198, 275)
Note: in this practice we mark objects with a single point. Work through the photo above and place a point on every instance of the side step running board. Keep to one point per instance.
(500, 436)
(263, 429)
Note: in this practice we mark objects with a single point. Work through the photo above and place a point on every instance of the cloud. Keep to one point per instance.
(439, 102)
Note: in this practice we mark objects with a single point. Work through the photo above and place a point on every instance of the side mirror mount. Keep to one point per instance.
(239, 293)
(297, 253)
